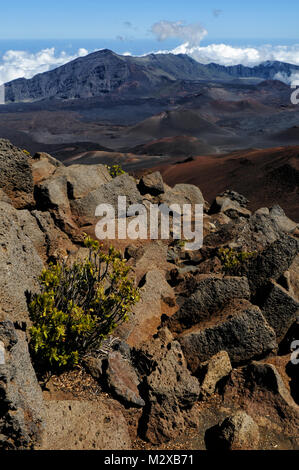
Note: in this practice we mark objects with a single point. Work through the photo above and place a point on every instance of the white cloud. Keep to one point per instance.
(18, 64)
(292, 79)
(193, 33)
(225, 54)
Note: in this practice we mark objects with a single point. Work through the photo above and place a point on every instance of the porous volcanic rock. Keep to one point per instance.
(85, 425)
(236, 432)
(212, 292)
(123, 185)
(279, 308)
(22, 410)
(151, 184)
(20, 265)
(240, 329)
(16, 175)
(212, 371)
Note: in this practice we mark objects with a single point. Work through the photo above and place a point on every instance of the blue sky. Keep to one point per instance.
(55, 19)
(37, 36)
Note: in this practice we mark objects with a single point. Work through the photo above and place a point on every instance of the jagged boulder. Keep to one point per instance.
(171, 389)
(122, 379)
(20, 265)
(52, 194)
(212, 292)
(151, 184)
(212, 371)
(123, 185)
(82, 179)
(16, 175)
(279, 308)
(236, 432)
(231, 204)
(22, 410)
(43, 166)
(240, 329)
(283, 222)
(183, 194)
(272, 262)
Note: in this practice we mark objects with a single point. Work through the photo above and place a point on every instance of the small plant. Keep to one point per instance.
(115, 170)
(78, 306)
(234, 262)
(26, 152)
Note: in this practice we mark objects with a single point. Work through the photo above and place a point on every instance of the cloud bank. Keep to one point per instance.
(17, 64)
(224, 54)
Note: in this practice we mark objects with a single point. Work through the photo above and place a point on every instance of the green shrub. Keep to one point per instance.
(234, 262)
(78, 306)
(115, 170)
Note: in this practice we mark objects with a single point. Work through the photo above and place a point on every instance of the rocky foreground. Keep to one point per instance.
(204, 360)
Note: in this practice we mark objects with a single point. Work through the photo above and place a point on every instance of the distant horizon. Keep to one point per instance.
(28, 57)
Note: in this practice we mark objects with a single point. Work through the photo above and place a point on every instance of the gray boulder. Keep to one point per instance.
(240, 329)
(123, 185)
(183, 194)
(151, 184)
(82, 179)
(272, 262)
(16, 175)
(20, 265)
(279, 308)
(52, 194)
(231, 204)
(211, 294)
(22, 410)
(171, 389)
(236, 432)
(283, 222)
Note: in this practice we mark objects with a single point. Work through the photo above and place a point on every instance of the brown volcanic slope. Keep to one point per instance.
(178, 146)
(265, 177)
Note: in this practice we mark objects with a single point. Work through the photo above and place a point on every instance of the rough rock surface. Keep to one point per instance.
(212, 371)
(22, 406)
(123, 185)
(231, 204)
(146, 315)
(279, 308)
(20, 265)
(122, 379)
(85, 425)
(272, 262)
(16, 175)
(237, 432)
(211, 294)
(151, 184)
(241, 330)
(43, 166)
(171, 387)
(82, 179)
(183, 194)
